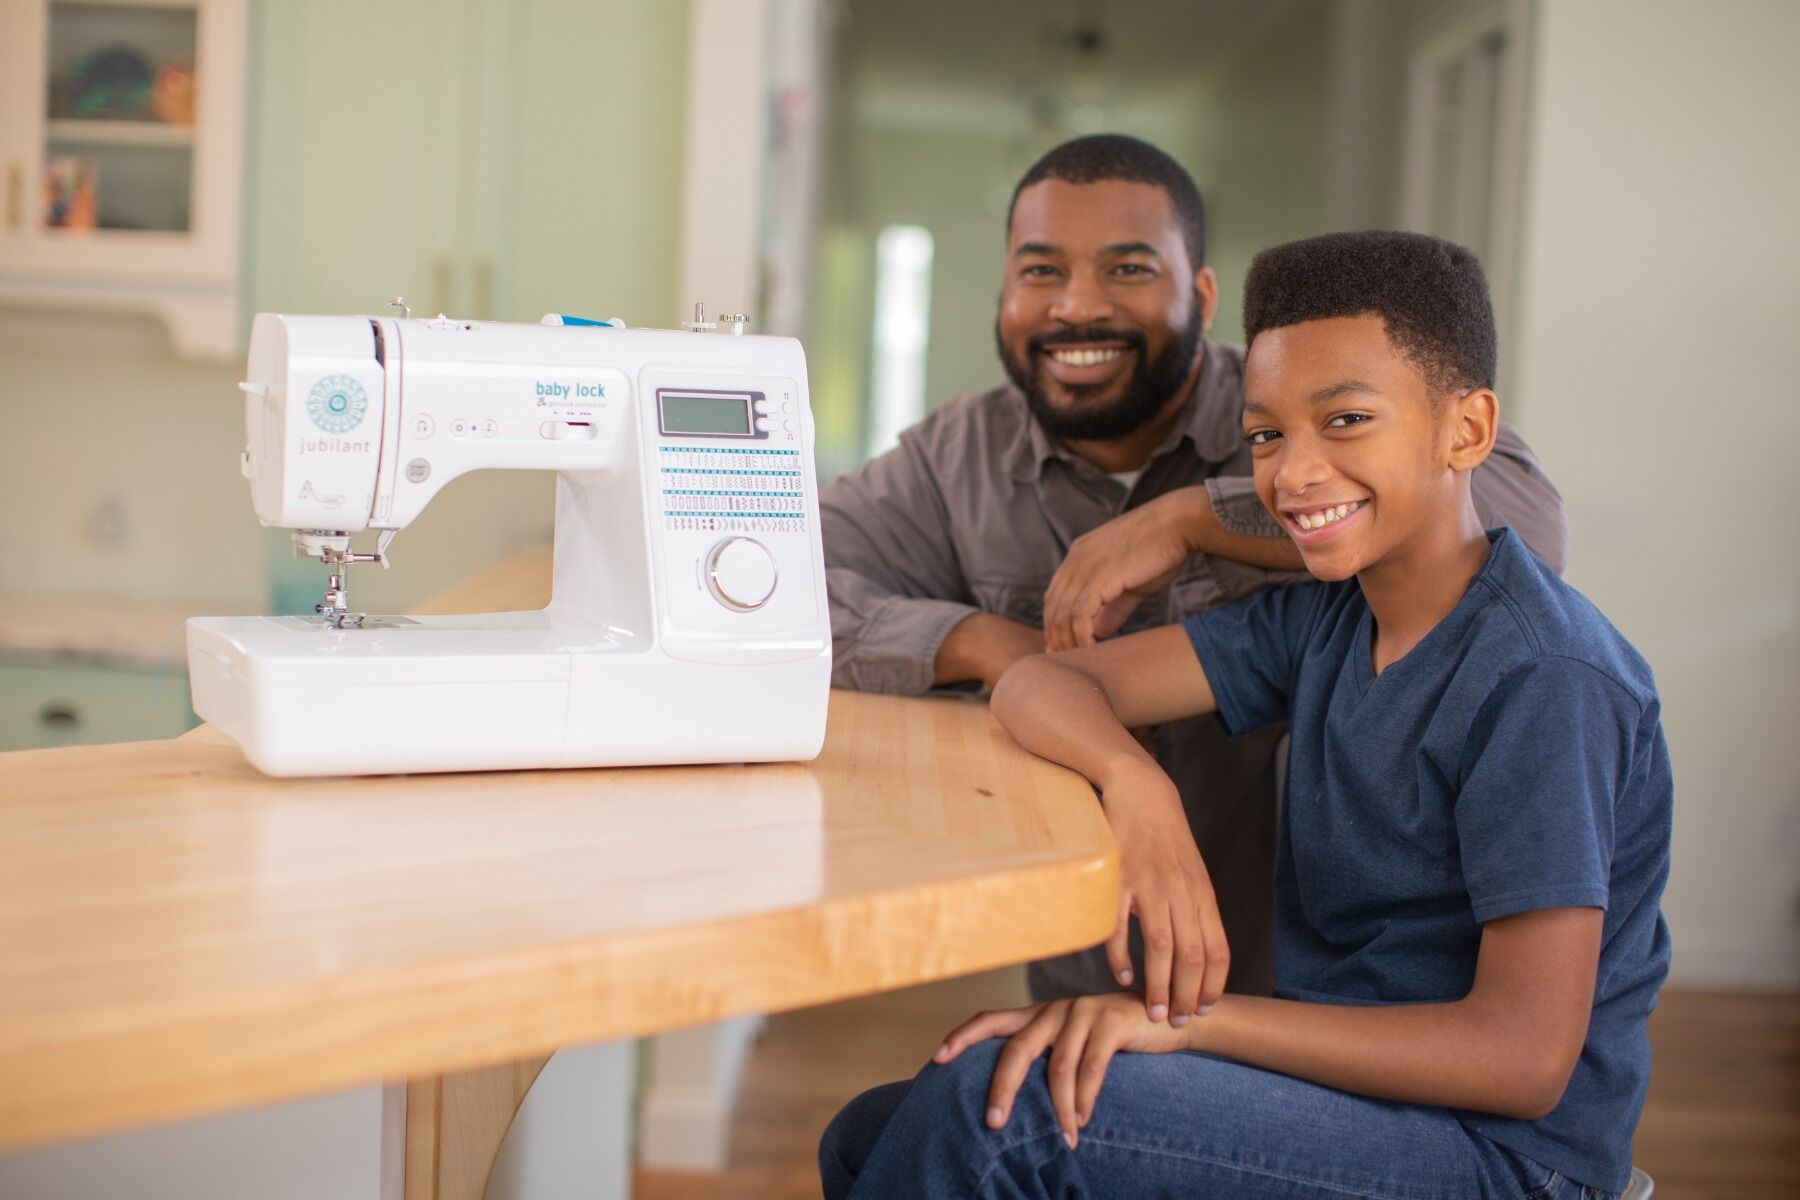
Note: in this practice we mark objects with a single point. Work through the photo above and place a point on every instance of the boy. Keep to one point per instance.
(1475, 837)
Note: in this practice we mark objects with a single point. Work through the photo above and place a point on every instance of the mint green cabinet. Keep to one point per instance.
(78, 705)
(487, 158)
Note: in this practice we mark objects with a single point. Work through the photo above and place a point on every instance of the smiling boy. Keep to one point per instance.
(1474, 843)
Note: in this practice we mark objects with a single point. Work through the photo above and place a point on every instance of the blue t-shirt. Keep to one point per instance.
(1513, 760)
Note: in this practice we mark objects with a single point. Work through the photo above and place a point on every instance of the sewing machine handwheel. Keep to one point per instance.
(740, 573)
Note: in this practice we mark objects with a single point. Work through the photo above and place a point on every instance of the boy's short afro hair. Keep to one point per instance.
(1431, 295)
(1103, 156)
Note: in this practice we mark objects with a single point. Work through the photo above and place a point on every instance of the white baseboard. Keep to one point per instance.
(690, 1094)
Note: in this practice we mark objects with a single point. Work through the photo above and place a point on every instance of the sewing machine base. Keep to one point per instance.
(498, 691)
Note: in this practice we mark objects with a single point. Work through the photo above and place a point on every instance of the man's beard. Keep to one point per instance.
(1153, 381)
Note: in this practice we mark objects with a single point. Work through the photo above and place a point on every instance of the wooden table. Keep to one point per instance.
(181, 935)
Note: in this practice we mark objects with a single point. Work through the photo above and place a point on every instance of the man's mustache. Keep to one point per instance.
(1085, 334)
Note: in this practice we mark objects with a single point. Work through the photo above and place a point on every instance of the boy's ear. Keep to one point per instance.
(1474, 423)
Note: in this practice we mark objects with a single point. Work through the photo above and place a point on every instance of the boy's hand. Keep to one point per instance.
(1082, 1037)
(1109, 570)
(1164, 881)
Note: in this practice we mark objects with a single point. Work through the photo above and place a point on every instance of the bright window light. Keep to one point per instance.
(902, 329)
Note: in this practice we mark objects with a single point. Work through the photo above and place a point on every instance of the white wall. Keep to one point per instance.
(1660, 295)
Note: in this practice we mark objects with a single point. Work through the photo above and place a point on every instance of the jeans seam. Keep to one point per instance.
(1214, 1160)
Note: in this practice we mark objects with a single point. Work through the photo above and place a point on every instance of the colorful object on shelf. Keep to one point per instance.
(172, 99)
(114, 82)
(70, 192)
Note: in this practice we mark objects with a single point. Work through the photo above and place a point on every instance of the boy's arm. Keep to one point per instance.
(1076, 709)
(1508, 1047)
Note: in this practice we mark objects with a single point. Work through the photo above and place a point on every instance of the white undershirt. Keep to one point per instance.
(1128, 478)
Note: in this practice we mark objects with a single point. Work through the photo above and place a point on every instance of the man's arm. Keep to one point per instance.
(1110, 570)
(902, 619)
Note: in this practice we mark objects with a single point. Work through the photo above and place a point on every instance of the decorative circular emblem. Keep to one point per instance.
(337, 403)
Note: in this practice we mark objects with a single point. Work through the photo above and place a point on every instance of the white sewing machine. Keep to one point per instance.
(688, 620)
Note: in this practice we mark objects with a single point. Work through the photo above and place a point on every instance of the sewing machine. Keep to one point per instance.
(688, 620)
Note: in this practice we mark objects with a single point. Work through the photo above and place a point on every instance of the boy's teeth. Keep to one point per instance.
(1085, 358)
(1325, 516)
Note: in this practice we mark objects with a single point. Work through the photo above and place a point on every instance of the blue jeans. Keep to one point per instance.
(1174, 1125)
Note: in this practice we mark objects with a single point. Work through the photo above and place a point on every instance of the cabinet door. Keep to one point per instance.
(124, 141)
(574, 163)
(353, 154)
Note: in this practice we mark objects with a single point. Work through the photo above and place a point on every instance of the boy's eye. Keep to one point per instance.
(1038, 271)
(1261, 437)
(1131, 269)
(1345, 420)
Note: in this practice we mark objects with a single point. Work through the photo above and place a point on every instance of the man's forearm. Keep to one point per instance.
(1455, 1055)
(980, 648)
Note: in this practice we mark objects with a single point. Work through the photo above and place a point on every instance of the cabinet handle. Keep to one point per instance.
(15, 195)
(484, 289)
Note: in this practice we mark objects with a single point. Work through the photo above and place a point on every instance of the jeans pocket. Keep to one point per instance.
(1550, 1189)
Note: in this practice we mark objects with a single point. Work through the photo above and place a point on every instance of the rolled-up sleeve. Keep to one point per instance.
(895, 585)
(1510, 488)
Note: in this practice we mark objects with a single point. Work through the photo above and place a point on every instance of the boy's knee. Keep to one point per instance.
(851, 1136)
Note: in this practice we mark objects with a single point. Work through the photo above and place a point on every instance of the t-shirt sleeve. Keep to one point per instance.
(1250, 650)
(1547, 758)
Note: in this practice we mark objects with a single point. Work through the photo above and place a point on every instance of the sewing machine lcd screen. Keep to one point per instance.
(708, 414)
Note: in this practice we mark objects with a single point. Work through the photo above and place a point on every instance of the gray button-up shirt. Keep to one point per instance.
(974, 511)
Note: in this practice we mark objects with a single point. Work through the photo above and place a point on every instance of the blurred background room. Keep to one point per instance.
(841, 169)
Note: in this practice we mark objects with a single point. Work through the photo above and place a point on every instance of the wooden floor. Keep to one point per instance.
(1722, 1121)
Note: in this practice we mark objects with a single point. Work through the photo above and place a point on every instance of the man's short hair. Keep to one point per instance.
(1115, 156)
(1431, 295)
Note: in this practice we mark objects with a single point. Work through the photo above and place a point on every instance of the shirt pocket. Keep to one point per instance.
(1207, 582)
(1020, 600)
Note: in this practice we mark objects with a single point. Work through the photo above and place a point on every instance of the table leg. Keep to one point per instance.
(455, 1125)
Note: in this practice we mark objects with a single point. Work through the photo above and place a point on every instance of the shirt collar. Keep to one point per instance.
(1209, 422)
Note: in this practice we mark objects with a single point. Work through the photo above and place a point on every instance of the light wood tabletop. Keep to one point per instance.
(182, 935)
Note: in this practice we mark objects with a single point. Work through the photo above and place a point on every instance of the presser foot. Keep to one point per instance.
(333, 549)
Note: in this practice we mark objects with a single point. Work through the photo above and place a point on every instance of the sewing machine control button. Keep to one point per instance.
(740, 573)
(788, 426)
(423, 426)
(490, 427)
(763, 423)
(762, 406)
(787, 406)
(459, 428)
(418, 471)
(550, 430)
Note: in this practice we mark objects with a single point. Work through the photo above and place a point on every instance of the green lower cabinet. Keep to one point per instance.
(82, 705)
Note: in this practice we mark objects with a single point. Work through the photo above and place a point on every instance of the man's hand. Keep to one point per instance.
(1163, 880)
(982, 646)
(1081, 1035)
(1110, 570)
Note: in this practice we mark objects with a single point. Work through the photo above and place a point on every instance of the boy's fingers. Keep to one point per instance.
(1190, 961)
(1065, 1060)
(1118, 946)
(1159, 950)
(1102, 1043)
(1020, 1051)
(1218, 955)
(981, 1027)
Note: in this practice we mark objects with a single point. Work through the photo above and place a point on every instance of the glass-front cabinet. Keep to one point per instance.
(121, 144)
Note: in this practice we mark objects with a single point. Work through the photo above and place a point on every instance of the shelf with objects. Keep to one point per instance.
(122, 147)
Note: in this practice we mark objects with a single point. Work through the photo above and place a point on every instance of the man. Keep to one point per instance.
(1117, 446)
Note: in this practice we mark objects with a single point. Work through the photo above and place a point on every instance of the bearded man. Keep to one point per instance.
(1106, 487)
